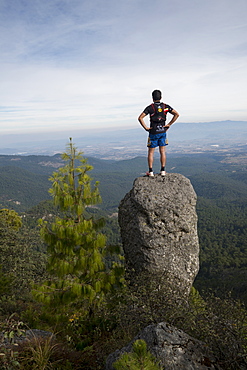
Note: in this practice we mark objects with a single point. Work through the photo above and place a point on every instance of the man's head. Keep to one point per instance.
(156, 94)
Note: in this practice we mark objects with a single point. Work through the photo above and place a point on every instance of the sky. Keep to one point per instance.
(86, 65)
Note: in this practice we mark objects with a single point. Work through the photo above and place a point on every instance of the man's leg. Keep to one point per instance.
(150, 157)
(162, 150)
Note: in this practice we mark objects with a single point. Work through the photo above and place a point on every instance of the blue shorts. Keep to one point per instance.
(155, 140)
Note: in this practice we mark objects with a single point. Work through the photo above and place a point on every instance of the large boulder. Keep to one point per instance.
(174, 349)
(158, 223)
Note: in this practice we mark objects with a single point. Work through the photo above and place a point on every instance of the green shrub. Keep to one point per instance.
(138, 359)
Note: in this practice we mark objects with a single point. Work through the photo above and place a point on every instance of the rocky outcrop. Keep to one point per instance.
(174, 349)
(158, 224)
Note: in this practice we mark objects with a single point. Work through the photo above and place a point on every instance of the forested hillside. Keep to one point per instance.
(93, 326)
(21, 189)
(222, 204)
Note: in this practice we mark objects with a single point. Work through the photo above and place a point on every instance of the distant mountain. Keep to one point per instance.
(21, 189)
(24, 179)
(51, 143)
(216, 132)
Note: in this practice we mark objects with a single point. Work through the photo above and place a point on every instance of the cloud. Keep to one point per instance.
(78, 63)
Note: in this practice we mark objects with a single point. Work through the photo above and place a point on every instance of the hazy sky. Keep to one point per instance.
(86, 64)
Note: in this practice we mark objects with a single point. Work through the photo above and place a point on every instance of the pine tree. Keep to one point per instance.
(9, 219)
(76, 249)
(138, 359)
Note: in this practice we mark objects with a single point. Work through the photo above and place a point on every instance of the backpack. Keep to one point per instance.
(158, 118)
(160, 112)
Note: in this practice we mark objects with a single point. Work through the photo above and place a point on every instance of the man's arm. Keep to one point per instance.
(174, 118)
(141, 120)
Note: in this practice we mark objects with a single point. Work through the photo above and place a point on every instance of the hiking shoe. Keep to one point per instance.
(150, 174)
(163, 173)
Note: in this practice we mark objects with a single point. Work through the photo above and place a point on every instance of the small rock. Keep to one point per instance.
(174, 349)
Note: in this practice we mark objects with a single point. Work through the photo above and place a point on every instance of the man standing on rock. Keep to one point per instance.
(157, 130)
